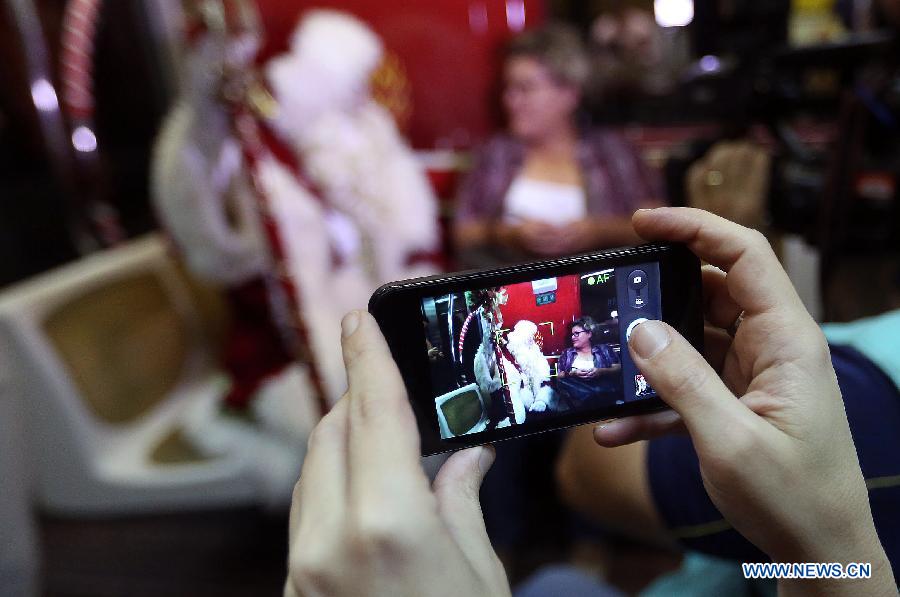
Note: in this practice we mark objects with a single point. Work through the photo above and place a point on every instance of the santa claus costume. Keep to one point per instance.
(249, 190)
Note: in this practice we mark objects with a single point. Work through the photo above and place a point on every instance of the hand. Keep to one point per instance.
(364, 520)
(774, 445)
(538, 406)
(539, 238)
(574, 237)
(592, 373)
(580, 235)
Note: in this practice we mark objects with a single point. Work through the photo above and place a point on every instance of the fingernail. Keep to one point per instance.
(486, 458)
(649, 337)
(606, 425)
(349, 323)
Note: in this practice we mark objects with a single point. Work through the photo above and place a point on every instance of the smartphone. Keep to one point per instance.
(489, 355)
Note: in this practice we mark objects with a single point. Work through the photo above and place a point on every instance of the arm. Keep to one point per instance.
(590, 234)
(598, 371)
(606, 362)
(785, 474)
(563, 364)
(605, 232)
(364, 518)
(475, 213)
(478, 233)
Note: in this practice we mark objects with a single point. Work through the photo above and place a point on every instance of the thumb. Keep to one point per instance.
(684, 380)
(456, 488)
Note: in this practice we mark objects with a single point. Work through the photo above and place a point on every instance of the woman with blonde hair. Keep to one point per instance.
(548, 187)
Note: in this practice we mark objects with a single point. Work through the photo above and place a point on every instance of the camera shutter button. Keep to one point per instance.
(631, 327)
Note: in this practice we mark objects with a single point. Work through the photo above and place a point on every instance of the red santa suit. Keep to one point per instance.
(349, 213)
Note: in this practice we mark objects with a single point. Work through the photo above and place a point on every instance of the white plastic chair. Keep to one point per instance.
(104, 356)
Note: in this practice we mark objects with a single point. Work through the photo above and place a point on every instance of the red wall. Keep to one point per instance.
(448, 49)
(521, 305)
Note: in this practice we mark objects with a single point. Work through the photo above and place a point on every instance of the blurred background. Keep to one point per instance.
(193, 192)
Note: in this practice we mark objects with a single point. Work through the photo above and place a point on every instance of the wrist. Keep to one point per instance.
(862, 547)
(847, 542)
(830, 529)
(881, 583)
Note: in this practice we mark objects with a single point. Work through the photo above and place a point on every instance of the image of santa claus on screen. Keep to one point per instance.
(527, 374)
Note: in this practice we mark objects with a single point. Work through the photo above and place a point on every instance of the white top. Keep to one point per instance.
(583, 362)
(550, 202)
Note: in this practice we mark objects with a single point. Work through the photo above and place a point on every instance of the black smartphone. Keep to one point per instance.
(488, 355)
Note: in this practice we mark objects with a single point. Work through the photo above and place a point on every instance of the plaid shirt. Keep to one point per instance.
(616, 180)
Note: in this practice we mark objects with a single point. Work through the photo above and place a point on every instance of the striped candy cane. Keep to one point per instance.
(77, 73)
(77, 58)
(464, 330)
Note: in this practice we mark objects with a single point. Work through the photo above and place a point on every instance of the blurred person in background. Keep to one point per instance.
(549, 187)
(632, 57)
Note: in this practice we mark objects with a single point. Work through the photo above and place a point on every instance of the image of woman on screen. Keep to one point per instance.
(589, 373)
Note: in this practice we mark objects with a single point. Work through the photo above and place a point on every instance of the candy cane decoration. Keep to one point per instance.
(464, 330)
(77, 58)
(77, 72)
(498, 358)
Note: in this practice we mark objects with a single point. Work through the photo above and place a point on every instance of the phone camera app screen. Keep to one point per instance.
(525, 353)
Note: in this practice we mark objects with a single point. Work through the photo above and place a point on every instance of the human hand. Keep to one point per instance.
(774, 445)
(592, 373)
(539, 238)
(364, 520)
(574, 237)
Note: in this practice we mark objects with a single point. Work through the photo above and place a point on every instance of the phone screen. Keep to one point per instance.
(529, 354)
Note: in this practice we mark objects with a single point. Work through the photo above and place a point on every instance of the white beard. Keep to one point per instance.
(326, 292)
(367, 172)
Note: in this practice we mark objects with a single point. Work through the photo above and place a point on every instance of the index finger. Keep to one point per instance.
(756, 280)
(320, 493)
(384, 438)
